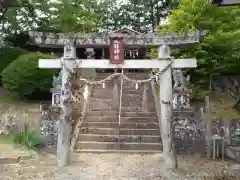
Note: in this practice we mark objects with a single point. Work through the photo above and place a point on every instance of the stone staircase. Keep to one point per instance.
(139, 129)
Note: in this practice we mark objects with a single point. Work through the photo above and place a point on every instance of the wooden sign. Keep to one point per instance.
(116, 50)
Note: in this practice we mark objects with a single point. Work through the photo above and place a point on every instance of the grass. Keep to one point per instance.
(25, 138)
(30, 139)
(22, 113)
(6, 139)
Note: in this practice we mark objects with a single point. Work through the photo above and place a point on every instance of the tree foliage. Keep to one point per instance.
(9, 54)
(43, 15)
(73, 16)
(82, 15)
(219, 50)
(24, 77)
(140, 15)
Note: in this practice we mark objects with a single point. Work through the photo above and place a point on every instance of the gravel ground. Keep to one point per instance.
(113, 167)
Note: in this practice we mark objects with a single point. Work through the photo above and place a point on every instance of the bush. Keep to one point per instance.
(30, 139)
(24, 77)
(9, 54)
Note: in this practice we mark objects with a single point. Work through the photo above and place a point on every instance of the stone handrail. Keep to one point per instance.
(156, 100)
(80, 120)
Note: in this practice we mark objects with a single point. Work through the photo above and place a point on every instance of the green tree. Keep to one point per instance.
(74, 16)
(43, 15)
(9, 54)
(23, 76)
(140, 15)
(219, 49)
(21, 16)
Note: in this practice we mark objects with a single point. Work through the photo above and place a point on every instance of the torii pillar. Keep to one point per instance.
(166, 124)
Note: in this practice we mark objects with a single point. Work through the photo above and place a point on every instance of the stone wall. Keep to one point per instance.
(50, 115)
(15, 117)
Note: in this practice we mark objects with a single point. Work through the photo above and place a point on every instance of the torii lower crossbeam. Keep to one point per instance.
(128, 64)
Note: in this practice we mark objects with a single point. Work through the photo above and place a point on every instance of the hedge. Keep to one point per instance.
(24, 77)
(9, 54)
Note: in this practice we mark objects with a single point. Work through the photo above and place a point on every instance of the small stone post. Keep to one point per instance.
(64, 128)
(227, 131)
(209, 127)
(167, 128)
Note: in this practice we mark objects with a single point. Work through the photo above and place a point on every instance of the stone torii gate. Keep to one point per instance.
(69, 63)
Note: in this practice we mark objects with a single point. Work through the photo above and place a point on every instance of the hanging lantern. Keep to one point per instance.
(116, 50)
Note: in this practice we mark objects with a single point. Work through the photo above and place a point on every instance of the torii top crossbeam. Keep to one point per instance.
(91, 40)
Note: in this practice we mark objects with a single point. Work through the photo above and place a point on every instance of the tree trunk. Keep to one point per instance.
(152, 17)
(3, 14)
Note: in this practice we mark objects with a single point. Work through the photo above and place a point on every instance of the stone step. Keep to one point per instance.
(75, 156)
(132, 91)
(122, 120)
(126, 87)
(102, 95)
(132, 95)
(122, 125)
(126, 90)
(100, 100)
(123, 131)
(127, 105)
(125, 108)
(112, 107)
(132, 87)
(123, 114)
(127, 111)
(126, 97)
(122, 138)
(116, 146)
(127, 74)
(101, 108)
(135, 109)
(131, 108)
(183, 118)
(132, 105)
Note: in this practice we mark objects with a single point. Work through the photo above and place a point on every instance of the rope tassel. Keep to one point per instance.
(136, 85)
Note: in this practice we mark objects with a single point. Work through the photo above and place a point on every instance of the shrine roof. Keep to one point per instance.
(126, 30)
